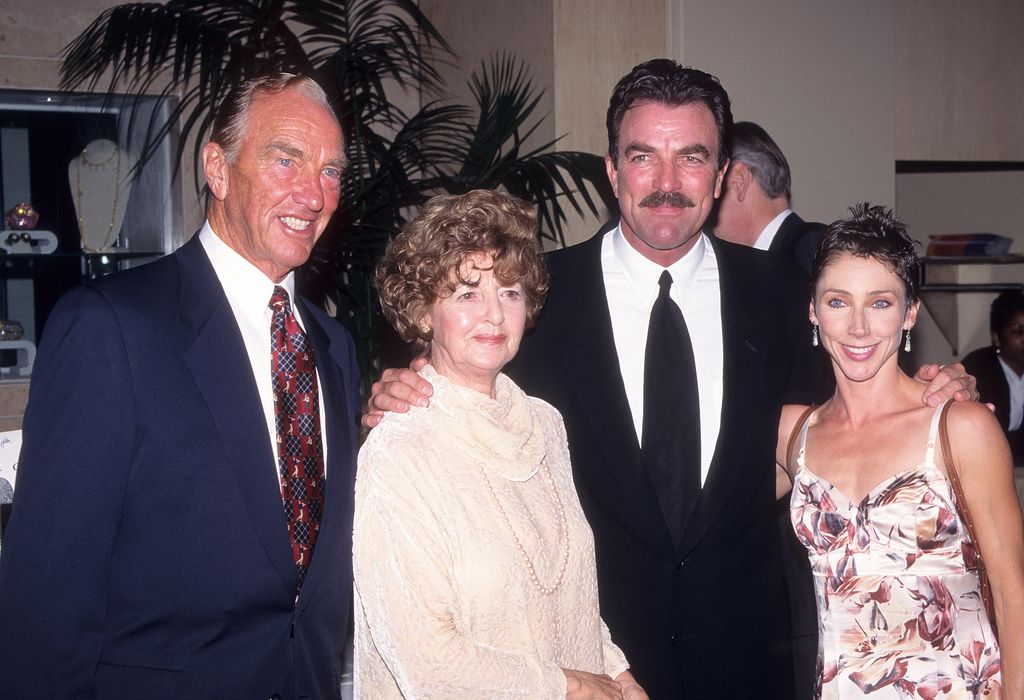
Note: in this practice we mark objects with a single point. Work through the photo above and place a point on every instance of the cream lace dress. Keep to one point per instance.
(466, 517)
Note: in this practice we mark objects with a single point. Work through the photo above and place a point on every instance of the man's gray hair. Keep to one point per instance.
(233, 114)
(752, 146)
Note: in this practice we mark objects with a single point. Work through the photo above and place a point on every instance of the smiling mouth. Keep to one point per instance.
(295, 223)
(858, 353)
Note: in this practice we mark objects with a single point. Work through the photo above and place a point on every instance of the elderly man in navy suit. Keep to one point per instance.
(182, 522)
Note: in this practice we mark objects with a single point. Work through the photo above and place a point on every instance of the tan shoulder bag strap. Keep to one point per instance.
(804, 417)
(978, 566)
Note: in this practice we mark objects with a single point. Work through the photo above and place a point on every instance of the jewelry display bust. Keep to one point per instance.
(100, 178)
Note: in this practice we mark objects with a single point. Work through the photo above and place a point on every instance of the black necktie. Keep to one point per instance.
(671, 430)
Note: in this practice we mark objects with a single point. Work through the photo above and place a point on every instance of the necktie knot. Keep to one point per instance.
(665, 284)
(279, 299)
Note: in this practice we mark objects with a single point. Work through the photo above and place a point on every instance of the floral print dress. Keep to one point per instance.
(899, 615)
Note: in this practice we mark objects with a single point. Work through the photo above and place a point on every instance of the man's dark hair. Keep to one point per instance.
(752, 146)
(663, 81)
(876, 234)
(1005, 307)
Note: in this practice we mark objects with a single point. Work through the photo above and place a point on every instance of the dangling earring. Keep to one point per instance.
(814, 335)
(906, 345)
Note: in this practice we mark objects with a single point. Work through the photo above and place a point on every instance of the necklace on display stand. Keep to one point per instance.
(97, 168)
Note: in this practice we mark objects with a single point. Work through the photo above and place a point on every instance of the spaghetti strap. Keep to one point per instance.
(800, 432)
(933, 433)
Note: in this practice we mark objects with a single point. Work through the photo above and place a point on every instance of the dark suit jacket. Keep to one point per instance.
(709, 619)
(984, 364)
(798, 240)
(147, 554)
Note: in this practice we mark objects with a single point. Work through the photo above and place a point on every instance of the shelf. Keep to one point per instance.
(1011, 259)
(952, 290)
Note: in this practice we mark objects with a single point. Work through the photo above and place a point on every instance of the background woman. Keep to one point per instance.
(474, 565)
(999, 368)
(899, 615)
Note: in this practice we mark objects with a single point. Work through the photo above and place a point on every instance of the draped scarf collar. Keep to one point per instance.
(504, 434)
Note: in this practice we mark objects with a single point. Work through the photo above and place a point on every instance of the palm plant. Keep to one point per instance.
(194, 51)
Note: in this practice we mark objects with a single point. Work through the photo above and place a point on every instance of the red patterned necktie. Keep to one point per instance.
(297, 419)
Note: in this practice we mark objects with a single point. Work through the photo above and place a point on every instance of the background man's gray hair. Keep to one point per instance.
(752, 146)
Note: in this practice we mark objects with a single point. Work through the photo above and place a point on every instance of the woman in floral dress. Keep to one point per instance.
(899, 613)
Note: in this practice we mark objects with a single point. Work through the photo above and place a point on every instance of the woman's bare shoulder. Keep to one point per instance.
(976, 438)
(972, 418)
(790, 418)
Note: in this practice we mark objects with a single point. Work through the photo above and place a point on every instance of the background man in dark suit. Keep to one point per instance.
(172, 533)
(695, 595)
(754, 209)
(999, 368)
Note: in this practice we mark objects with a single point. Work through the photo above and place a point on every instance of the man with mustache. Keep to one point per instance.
(669, 354)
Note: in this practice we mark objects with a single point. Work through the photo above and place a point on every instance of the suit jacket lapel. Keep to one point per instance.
(739, 353)
(216, 356)
(589, 353)
(782, 242)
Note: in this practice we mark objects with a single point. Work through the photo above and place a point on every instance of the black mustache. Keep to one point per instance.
(672, 199)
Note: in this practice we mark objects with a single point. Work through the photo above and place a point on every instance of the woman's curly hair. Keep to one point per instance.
(423, 263)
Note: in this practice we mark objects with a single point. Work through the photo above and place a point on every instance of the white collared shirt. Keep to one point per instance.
(248, 291)
(768, 233)
(631, 286)
(1016, 385)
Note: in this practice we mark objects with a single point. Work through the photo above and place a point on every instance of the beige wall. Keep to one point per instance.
(817, 76)
(958, 80)
(33, 35)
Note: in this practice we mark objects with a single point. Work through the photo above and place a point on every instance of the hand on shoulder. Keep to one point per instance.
(397, 390)
(944, 382)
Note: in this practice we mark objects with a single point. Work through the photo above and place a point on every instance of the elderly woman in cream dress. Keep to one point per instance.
(474, 565)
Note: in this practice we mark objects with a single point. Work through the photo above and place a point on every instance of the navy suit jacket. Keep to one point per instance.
(709, 618)
(147, 554)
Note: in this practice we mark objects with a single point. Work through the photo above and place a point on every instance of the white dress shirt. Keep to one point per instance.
(1016, 385)
(631, 286)
(768, 233)
(248, 291)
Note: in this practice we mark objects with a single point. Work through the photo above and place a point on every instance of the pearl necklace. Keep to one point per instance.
(563, 532)
(117, 193)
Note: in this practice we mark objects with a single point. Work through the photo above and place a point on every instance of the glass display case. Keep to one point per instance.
(73, 158)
